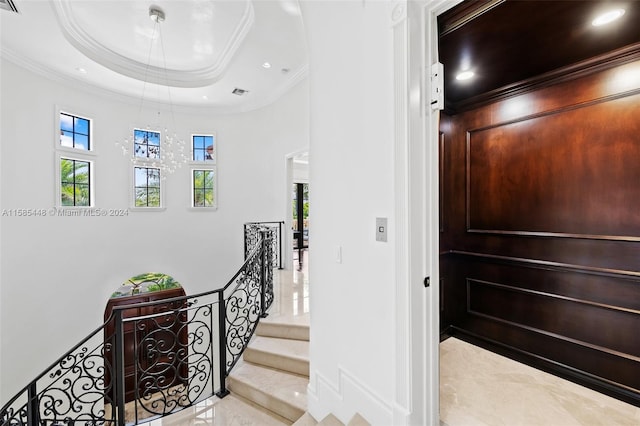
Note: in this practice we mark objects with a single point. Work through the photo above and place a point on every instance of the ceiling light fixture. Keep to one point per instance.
(465, 75)
(607, 17)
(266, 65)
(154, 145)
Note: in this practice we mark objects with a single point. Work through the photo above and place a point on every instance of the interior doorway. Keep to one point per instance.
(300, 220)
(297, 217)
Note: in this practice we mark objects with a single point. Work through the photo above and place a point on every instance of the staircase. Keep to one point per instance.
(273, 373)
(274, 370)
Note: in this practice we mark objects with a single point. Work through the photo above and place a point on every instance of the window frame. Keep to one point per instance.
(148, 163)
(215, 148)
(148, 159)
(75, 154)
(214, 205)
(58, 170)
(72, 150)
(132, 186)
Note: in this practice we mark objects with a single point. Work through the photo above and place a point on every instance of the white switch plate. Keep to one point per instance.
(381, 229)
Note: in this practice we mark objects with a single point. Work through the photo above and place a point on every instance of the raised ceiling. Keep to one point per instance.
(507, 42)
(202, 51)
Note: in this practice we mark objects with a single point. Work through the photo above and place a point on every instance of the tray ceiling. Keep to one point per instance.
(202, 51)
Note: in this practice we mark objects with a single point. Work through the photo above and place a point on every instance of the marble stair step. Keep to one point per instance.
(306, 420)
(280, 392)
(283, 354)
(283, 330)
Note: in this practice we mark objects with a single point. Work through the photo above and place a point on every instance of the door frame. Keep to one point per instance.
(417, 212)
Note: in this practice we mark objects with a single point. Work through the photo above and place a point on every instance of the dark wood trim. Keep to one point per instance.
(552, 234)
(550, 265)
(442, 179)
(466, 13)
(572, 72)
(553, 296)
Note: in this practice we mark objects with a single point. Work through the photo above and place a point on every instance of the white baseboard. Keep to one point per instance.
(347, 397)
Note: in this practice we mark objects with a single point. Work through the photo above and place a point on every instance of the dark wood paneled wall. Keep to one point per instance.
(540, 228)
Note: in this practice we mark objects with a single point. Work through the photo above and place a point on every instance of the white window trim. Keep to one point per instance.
(92, 173)
(204, 163)
(73, 151)
(152, 164)
(214, 169)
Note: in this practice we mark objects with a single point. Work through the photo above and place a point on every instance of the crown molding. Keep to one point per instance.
(78, 83)
(98, 52)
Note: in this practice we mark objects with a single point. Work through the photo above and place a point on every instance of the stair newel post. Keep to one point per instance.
(33, 413)
(280, 244)
(118, 371)
(222, 342)
(263, 272)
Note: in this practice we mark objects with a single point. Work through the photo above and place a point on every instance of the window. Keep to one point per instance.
(73, 160)
(75, 182)
(75, 132)
(147, 187)
(146, 143)
(203, 148)
(204, 188)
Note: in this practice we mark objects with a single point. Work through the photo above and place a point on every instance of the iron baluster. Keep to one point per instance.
(33, 412)
(118, 372)
(222, 310)
(263, 267)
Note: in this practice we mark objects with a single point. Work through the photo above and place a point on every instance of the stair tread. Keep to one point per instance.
(286, 330)
(289, 348)
(286, 387)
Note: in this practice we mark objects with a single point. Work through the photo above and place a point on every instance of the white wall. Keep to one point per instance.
(58, 272)
(351, 107)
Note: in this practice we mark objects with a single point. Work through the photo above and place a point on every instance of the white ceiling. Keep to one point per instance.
(201, 52)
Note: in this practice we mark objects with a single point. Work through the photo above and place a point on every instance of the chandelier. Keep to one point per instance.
(155, 144)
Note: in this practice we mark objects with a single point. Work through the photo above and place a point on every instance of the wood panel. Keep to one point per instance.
(540, 247)
(514, 169)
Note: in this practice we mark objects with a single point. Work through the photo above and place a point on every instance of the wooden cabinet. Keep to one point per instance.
(155, 344)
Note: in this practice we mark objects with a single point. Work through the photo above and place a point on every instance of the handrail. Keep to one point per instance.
(180, 352)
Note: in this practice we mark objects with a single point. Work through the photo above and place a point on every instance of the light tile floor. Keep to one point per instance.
(479, 388)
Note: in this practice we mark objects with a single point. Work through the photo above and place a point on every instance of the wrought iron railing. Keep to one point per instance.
(160, 358)
(252, 236)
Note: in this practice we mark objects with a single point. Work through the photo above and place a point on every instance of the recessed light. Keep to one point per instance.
(607, 17)
(81, 70)
(266, 65)
(205, 97)
(465, 75)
